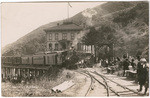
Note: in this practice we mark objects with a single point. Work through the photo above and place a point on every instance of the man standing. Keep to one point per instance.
(142, 73)
(125, 66)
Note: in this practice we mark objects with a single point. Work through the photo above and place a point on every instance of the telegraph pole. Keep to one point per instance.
(68, 10)
(68, 5)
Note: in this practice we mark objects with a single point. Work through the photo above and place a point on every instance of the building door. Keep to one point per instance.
(79, 46)
(63, 45)
(56, 46)
(50, 46)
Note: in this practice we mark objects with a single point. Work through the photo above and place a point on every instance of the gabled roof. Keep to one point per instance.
(66, 26)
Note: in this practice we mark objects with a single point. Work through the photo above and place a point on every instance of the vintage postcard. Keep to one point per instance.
(75, 49)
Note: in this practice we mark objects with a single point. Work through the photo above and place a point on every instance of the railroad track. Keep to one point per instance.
(92, 81)
(110, 86)
(100, 82)
(123, 90)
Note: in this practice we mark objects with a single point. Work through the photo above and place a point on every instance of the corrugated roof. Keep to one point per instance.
(67, 26)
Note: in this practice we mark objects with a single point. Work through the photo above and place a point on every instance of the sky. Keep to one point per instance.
(18, 19)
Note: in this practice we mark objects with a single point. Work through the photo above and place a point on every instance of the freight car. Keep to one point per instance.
(43, 59)
(66, 59)
(9, 60)
(55, 58)
(27, 60)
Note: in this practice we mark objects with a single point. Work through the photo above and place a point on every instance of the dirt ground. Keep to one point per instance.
(82, 83)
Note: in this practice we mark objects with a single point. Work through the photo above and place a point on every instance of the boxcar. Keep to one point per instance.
(16, 60)
(11, 60)
(50, 59)
(7, 60)
(27, 60)
(38, 60)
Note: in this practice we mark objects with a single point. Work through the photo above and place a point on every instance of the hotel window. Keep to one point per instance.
(64, 36)
(56, 36)
(72, 36)
(50, 36)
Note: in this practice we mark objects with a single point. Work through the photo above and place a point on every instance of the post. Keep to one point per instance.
(5, 73)
(34, 73)
(91, 49)
(68, 10)
(95, 53)
(11, 72)
(113, 51)
(38, 72)
(28, 73)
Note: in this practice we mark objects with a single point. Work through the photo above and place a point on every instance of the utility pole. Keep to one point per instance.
(68, 10)
(68, 5)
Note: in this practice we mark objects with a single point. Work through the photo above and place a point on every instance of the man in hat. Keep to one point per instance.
(147, 79)
(125, 66)
(143, 75)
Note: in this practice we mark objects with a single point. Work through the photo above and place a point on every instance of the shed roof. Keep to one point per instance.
(66, 26)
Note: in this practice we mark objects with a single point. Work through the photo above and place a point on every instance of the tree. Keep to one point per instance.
(91, 38)
(104, 36)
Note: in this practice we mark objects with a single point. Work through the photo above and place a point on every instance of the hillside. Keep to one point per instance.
(130, 20)
(133, 30)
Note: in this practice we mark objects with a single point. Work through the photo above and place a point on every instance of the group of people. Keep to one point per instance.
(138, 64)
(142, 69)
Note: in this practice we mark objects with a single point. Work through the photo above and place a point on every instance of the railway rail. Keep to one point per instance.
(100, 82)
(126, 91)
(112, 88)
(92, 81)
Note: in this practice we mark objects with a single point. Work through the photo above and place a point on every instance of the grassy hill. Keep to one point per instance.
(130, 20)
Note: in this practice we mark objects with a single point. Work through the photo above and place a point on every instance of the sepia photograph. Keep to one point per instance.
(75, 49)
